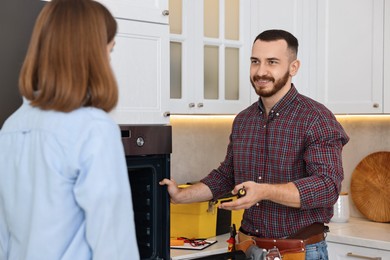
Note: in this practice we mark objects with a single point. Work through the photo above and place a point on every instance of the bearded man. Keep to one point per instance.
(285, 151)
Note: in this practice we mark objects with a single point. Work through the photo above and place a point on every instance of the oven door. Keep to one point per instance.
(150, 204)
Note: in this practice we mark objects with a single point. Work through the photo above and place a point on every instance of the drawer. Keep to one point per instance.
(339, 251)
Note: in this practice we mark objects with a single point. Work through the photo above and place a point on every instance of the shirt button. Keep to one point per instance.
(259, 177)
(257, 231)
(257, 204)
(264, 126)
(277, 114)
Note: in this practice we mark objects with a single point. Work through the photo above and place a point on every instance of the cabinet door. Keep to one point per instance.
(209, 56)
(386, 76)
(142, 10)
(350, 55)
(296, 17)
(140, 61)
(347, 252)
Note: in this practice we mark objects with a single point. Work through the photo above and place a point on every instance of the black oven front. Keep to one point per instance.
(148, 150)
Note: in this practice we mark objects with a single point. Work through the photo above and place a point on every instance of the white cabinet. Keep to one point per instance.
(344, 48)
(155, 11)
(338, 251)
(209, 56)
(386, 77)
(140, 60)
(351, 55)
(297, 17)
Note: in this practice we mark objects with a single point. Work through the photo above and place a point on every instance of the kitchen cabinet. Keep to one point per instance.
(140, 60)
(339, 251)
(209, 56)
(351, 55)
(386, 76)
(358, 238)
(296, 17)
(155, 11)
(344, 50)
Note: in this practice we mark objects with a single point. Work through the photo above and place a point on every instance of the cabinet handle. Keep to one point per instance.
(375, 105)
(191, 105)
(200, 104)
(167, 114)
(165, 12)
(363, 257)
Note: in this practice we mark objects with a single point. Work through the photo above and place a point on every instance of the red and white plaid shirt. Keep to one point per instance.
(301, 142)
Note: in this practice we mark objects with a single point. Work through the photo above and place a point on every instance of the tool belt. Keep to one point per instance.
(291, 248)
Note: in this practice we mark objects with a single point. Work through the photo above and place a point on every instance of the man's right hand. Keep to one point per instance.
(197, 192)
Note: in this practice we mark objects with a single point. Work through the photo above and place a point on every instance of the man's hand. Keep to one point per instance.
(244, 202)
(173, 189)
(286, 194)
(194, 193)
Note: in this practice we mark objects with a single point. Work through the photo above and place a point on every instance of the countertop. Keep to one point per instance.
(217, 248)
(357, 232)
(360, 232)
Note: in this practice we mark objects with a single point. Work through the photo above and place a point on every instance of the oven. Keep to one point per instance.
(148, 149)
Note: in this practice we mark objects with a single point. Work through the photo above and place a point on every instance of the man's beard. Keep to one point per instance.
(278, 85)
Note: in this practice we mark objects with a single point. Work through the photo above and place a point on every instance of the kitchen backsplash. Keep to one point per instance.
(200, 142)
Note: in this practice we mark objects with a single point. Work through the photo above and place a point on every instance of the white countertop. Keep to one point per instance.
(220, 247)
(360, 232)
(357, 232)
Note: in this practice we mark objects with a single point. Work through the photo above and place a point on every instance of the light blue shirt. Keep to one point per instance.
(64, 189)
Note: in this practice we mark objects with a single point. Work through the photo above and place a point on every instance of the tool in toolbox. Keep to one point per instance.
(232, 240)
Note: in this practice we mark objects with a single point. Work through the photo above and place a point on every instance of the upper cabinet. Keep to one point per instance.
(351, 51)
(140, 60)
(296, 17)
(193, 56)
(386, 77)
(209, 56)
(155, 11)
(344, 48)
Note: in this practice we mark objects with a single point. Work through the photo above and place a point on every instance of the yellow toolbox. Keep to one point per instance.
(203, 219)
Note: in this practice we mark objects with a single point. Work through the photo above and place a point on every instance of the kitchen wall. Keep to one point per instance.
(199, 144)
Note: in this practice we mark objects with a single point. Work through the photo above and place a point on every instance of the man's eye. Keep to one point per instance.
(254, 61)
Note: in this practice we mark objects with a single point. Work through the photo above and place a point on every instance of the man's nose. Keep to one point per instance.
(261, 70)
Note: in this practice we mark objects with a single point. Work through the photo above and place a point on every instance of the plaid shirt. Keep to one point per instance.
(300, 142)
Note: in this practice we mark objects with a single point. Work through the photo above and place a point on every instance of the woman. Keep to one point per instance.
(64, 189)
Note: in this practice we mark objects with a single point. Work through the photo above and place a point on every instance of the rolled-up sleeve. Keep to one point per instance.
(323, 160)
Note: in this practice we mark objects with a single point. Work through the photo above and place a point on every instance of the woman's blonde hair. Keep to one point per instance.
(67, 66)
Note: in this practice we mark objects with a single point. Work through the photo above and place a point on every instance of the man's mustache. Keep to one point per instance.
(256, 78)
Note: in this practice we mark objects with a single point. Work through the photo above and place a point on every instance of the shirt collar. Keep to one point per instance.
(283, 103)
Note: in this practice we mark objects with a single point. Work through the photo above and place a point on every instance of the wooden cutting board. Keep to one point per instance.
(370, 187)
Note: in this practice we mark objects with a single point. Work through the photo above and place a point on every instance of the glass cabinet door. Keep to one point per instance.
(209, 56)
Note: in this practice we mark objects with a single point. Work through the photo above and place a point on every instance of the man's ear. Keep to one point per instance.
(294, 67)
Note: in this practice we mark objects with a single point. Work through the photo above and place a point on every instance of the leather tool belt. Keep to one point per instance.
(290, 248)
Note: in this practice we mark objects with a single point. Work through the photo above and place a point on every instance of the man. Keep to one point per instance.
(285, 151)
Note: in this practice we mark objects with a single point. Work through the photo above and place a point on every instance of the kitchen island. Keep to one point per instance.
(357, 233)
